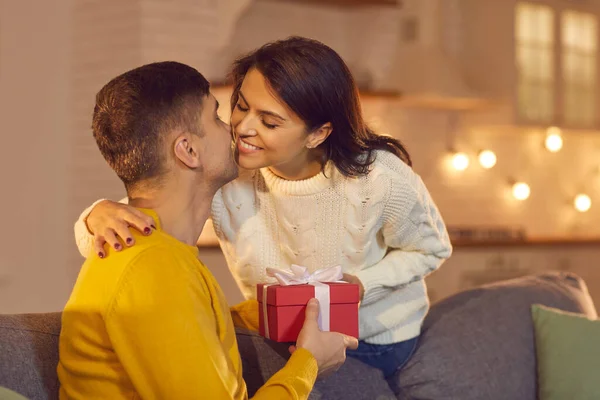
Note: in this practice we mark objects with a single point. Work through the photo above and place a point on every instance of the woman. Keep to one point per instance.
(318, 188)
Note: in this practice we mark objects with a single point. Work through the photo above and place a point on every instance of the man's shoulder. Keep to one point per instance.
(153, 257)
(146, 249)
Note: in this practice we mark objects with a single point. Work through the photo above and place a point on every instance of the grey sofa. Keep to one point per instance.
(477, 344)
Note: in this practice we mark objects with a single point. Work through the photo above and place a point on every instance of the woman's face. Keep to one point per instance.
(267, 132)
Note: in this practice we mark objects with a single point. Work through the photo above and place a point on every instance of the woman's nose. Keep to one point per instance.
(246, 127)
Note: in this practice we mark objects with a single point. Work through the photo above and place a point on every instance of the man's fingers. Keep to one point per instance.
(312, 312)
(351, 342)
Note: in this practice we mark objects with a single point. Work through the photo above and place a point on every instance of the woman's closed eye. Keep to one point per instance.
(269, 126)
(241, 108)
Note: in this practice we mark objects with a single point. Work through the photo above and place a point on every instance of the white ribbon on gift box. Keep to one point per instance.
(299, 275)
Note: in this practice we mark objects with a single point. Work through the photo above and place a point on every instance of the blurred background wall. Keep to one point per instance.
(450, 78)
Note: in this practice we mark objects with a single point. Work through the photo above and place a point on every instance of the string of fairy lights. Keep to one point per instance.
(521, 190)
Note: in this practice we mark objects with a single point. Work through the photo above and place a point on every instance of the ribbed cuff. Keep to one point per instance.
(373, 282)
(304, 366)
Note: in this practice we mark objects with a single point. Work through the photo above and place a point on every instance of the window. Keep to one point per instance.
(579, 68)
(549, 93)
(534, 34)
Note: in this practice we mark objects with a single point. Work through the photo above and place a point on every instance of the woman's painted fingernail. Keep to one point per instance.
(117, 246)
(147, 231)
(101, 254)
(129, 241)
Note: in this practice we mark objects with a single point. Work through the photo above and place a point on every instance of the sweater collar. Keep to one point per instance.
(303, 187)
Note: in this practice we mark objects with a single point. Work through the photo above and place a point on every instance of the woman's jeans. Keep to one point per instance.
(389, 358)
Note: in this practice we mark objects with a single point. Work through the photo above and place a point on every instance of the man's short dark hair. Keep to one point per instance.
(135, 110)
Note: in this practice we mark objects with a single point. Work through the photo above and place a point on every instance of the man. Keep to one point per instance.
(151, 321)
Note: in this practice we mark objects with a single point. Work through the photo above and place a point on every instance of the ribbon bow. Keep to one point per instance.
(299, 275)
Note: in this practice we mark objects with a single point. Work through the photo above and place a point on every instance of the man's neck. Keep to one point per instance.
(182, 212)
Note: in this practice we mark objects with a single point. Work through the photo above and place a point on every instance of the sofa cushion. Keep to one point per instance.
(262, 358)
(568, 354)
(7, 394)
(29, 355)
(479, 344)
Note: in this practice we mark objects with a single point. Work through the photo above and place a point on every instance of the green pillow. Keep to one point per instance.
(568, 354)
(7, 394)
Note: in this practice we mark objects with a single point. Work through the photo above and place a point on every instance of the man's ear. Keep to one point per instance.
(319, 135)
(185, 151)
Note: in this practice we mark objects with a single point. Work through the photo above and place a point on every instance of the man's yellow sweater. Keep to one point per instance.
(151, 322)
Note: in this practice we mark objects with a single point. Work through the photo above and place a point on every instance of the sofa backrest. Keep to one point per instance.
(29, 354)
(493, 323)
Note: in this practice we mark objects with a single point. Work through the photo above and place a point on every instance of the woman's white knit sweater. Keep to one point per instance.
(382, 227)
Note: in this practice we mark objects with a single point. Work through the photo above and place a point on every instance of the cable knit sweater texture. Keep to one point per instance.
(382, 227)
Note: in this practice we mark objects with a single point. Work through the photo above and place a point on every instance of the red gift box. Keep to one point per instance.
(286, 307)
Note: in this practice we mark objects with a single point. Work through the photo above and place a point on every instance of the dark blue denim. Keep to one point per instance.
(389, 358)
